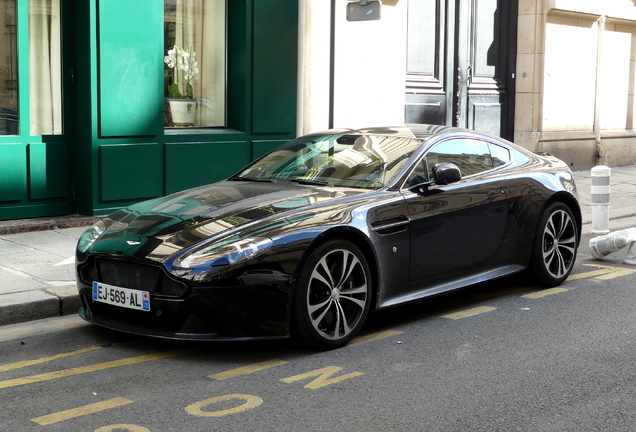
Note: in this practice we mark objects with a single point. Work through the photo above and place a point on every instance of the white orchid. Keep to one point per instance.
(180, 59)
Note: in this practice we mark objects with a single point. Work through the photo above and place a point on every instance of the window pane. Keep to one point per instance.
(8, 69)
(470, 156)
(45, 67)
(359, 161)
(194, 74)
(500, 155)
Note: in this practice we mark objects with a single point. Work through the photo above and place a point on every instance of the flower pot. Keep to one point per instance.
(183, 111)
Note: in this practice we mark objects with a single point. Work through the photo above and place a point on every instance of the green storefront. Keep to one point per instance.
(104, 103)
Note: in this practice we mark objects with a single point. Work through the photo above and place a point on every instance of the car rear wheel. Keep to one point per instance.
(555, 245)
(332, 295)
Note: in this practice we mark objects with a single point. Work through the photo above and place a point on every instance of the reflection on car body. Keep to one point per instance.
(310, 238)
(263, 276)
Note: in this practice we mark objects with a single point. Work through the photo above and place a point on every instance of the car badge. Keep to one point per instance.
(132, 243)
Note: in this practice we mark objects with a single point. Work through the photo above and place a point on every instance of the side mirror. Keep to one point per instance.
(445, 173)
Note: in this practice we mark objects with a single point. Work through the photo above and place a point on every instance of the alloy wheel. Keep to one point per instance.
(559, 244)
(337, 294)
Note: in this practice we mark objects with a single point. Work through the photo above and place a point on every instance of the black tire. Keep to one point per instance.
(555, 244)
(332, 295)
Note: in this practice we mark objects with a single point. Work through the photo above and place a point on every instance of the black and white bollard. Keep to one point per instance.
(600, 199)
(602, 246)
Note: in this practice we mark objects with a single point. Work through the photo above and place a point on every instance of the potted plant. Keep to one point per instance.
(182, 106)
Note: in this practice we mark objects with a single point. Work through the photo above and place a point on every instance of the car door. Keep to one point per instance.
(462, 223)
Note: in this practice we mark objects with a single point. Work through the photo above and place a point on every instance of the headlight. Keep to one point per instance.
(90, 236)
(230, 251)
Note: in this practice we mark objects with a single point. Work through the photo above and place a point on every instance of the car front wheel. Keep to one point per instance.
(555, 245)
(332, 296)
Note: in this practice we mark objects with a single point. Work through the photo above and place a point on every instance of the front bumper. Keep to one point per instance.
(206, 313)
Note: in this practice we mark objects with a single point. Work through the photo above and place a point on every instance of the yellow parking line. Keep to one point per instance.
(615, 274)
(78, 412)
(247, 369)
(587, 274)
(469, 312)
(373, 337)
(92, 368)
(18, 365)
(491, 294)
(543, 293)
(605, 273)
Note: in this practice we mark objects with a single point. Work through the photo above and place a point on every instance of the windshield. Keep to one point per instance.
(359, 161)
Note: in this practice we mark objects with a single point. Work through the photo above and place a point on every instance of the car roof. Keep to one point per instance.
(417, 131)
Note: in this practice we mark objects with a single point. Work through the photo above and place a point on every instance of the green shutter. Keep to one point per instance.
(12, 172)
(48, 170)
(130, 67)
(275, 66)
(194, 164)
(131, 171)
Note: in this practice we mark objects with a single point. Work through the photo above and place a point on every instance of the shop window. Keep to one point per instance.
(194, 63)
(8, 69)
(45, 67)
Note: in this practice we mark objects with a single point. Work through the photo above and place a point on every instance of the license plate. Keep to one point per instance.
(123, 297)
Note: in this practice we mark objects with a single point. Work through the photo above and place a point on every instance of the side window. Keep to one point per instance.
(500, 155)
(470, 156)
(419, 174)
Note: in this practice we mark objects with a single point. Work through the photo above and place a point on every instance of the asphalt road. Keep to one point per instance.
(503, 356)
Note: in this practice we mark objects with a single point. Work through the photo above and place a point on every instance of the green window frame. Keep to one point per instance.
(195, 42)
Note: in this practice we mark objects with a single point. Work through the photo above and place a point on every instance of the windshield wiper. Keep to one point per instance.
(251, 179)
(312, 182)
(275, 180)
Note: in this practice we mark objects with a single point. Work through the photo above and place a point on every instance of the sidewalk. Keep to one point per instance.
(622, 201)
(37, 275)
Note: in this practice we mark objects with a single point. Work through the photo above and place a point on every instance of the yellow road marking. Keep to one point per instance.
(125, 427)
(605, 273)
(587, 275)
(322, 374)
(469, 312)
(247, 369)
(615, 274)
(92, 368)
(543, 293)
(499, 293)
(18, 365)
(373, 337)
(78, 412)
(250, 402)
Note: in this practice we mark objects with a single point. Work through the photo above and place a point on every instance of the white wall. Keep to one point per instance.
(369, 66)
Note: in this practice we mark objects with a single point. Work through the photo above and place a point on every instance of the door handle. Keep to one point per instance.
(496, 193)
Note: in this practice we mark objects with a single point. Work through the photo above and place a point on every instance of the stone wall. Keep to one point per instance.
(575, 80)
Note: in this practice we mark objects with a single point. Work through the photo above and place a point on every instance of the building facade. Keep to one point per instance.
(104, 103)
(552, 75)
(90, 116)
(576, 75)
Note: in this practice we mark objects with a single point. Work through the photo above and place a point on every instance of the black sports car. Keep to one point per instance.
(308, 239)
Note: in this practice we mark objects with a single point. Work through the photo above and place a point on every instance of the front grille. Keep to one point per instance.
(133, 275)
(168, 321)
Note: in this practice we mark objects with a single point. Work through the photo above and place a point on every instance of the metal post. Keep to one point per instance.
(600, 199)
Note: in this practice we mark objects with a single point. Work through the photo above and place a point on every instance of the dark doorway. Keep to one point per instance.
(461, 62)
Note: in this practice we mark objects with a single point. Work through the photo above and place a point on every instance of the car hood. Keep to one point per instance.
(160, 228)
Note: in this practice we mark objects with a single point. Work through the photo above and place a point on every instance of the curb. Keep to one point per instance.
(615, 218)
(49, 301)
(39, 304)
(18, 226)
